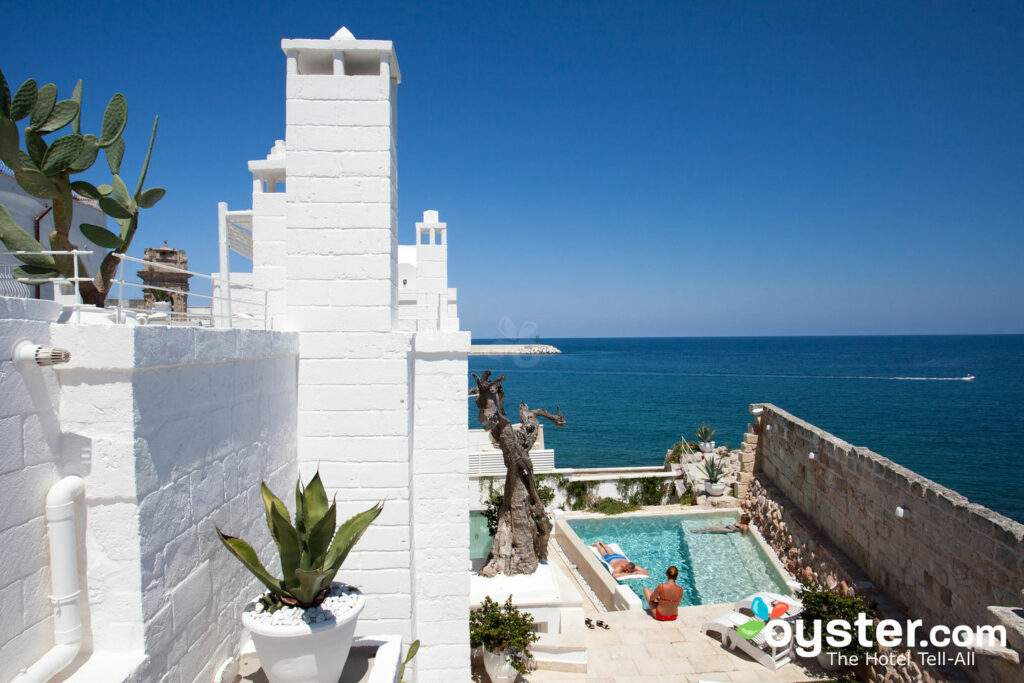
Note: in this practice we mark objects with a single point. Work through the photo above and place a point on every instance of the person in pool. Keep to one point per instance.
(664, 600)
(740, 527)
(619, 563)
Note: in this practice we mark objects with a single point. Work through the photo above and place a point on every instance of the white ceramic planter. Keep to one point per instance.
(306, 653)
(499, 668)
(706, 446)
(717, 489)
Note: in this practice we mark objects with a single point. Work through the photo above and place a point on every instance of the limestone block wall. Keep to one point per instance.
(172, 430)
(945, 561)
(30, 458)
(355, 387)
(440, 533)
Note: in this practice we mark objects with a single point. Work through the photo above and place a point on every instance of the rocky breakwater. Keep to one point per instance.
(513, 350)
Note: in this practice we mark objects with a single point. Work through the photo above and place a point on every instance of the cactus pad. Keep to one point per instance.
(45, 101)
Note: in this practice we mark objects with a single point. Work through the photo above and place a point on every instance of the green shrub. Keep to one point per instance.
(576, 493)
(611, 506)
(824, 604)
(498, 628)
(688, 497)
(644, 490)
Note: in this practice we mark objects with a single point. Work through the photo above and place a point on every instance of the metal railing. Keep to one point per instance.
(227, 318)
(73, 280)
(215, 283)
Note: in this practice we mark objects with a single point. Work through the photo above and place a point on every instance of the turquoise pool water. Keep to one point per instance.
(479, 539)
(712, 567)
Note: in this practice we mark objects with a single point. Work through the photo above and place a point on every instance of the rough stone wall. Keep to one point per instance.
(808, 555)
(945, 561)
(29, 461)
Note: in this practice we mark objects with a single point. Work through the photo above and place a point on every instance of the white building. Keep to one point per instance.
(171, 430)
(382, 370)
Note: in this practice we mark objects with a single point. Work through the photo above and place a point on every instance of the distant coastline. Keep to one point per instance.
(513, 350)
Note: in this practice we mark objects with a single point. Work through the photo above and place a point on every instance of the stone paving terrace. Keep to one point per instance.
(638, 648)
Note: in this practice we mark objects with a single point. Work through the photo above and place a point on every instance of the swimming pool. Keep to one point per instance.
(479, 539)
(713, 568)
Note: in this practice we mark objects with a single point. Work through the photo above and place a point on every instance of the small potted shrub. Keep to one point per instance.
(303, 626)
(713, 471)
(504, 634)
(825, 605)
(704, 435)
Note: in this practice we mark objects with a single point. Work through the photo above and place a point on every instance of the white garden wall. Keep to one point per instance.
(29, 461)
(172, 429)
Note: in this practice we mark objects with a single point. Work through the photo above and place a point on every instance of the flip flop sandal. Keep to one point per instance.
(603, 625)
(588, 622)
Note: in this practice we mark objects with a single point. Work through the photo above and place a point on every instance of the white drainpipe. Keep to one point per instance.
(67, 618)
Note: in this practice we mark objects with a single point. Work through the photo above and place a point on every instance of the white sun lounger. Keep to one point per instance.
(616, 548)
(795, 606)
(756, 648)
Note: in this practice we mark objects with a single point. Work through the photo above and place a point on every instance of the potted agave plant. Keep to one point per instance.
(704, 435)
(713, 470)
(302, 627)
(504, 634)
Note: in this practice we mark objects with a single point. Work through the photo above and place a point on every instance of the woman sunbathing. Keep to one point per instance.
(740, 527)
(664, 600)
(620, 564)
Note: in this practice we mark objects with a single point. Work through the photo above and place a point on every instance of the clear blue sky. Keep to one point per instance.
(619, 169)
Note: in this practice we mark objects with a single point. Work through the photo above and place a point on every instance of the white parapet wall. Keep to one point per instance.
(172, 430)
(30, 459)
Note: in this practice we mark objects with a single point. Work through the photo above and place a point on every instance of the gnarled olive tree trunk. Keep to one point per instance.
(521, 541)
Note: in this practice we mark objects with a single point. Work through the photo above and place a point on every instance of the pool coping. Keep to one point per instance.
(618, 596)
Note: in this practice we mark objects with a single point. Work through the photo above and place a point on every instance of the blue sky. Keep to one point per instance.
(619, 169)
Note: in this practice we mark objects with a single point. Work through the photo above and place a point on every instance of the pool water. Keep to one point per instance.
(479, 538)
(713, 568)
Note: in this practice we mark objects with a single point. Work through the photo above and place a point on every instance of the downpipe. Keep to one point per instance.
(67, 616)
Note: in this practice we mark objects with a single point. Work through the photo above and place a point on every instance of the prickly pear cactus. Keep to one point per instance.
(44, 171)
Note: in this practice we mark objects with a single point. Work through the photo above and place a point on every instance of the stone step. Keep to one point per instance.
(561, 652)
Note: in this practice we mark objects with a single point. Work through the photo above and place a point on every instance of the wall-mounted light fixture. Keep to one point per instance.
(757, 411)
(812, 456)
(29, 352)
(902, 512)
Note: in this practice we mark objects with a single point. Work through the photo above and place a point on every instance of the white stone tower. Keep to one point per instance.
(381, 409)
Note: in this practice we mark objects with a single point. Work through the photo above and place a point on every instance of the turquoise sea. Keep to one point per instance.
(627, 400)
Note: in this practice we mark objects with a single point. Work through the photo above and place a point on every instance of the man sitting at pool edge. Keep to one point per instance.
(664, 600)
(621, 566)
(740, 527)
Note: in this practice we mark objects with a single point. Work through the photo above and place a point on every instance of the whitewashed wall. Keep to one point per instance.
(29, 459)
(340, 272)
(440, 543)
(172, 429)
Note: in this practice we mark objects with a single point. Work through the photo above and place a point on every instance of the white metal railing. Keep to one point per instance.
(493, 462)
(73, 280)
(213, 318)
(213, 297)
